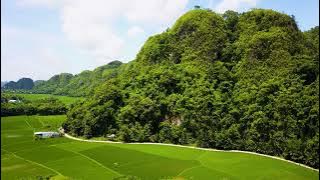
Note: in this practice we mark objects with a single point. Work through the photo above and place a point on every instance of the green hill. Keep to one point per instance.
(77, 85)
(21, 84)
(54, 84)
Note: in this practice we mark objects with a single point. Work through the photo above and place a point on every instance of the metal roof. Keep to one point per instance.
(49, 132)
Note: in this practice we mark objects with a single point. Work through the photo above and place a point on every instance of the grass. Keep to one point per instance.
(60, 158)
(65, 99)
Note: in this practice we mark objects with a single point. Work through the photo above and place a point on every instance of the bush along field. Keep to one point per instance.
(44, 104)
(64, 99)
(23, 157)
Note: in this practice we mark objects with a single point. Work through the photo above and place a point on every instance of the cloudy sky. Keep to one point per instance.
(40, 38)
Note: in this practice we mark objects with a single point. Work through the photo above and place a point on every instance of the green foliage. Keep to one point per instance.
(80, 84)
(55, 83)
(312, 41)
(199, 35)
(26, 106)
(246, 81)
(134, 133)
(231, 19)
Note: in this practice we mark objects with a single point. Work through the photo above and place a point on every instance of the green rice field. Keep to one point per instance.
(22, 157)
(65, 99)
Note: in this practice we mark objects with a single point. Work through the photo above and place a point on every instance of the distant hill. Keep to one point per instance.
(38, 82)
(3, 83)
(23, 83)
(80, 84)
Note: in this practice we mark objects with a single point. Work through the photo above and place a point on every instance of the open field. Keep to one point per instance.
(65, 99)
(62, 158)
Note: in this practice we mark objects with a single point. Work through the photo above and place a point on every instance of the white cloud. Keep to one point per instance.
(28, 53)
(101, 29)
(40, 3)
(235, 5)
(134, 31)
(93, 25)
(155, 11)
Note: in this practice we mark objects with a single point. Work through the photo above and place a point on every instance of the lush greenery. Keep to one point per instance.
(66, 84)
(77, 85)
(64, 99)
(31, 104)
(22, 157)
(246, 81)
(23, 83)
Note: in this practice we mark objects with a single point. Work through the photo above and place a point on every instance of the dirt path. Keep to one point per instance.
(191, 147)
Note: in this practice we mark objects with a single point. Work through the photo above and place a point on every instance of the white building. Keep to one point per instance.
(111, 136)
(46, 134)
(13, 101)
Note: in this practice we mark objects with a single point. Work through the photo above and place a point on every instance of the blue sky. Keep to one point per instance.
(40, 38)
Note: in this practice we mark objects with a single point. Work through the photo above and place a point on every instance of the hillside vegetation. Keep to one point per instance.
(246, 81)
(21, 84)
(80, 84)
(64, 99)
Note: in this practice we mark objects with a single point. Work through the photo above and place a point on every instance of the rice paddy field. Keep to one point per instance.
(22, 157)
(65, 99)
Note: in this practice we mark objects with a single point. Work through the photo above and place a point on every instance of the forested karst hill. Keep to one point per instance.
(246, 81)
(77, 85)
(21, 84)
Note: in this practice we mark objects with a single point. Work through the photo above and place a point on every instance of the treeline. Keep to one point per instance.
(21, 106)
(246, 81)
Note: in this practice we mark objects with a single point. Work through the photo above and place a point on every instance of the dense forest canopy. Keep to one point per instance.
(246, 81)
